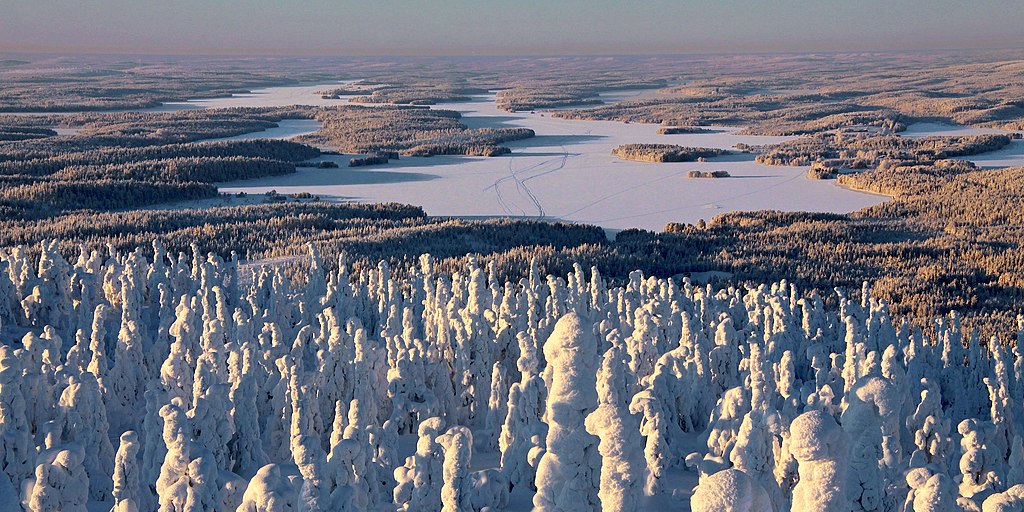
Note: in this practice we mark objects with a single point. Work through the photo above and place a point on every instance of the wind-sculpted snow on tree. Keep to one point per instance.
(978, 476)
(245, 447)
(189, 475)
(464, 490)
(17, 449)
(60, 485)
(862, 423)
(930, 492)
(730, 490)
(458, 449)
(270, 491)
(126, 378)
(309, 456)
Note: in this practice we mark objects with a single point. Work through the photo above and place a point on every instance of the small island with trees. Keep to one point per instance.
(665, 153)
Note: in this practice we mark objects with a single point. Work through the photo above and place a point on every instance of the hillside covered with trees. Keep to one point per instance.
(260, 392)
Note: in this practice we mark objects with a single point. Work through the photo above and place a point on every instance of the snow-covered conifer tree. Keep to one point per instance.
(270, 490)
(619, 431)
(60, 485)
(570, 462)
(730, 490)
(86, 424)
(17, 450)
(420, 480)
(523, 431)
(126, 474)
(819, 446)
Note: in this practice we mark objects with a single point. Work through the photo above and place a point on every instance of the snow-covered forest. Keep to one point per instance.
(186, 383)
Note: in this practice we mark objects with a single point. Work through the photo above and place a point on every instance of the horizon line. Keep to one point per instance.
(306, 54)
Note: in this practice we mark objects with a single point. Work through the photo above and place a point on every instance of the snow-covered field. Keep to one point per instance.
(175, 385)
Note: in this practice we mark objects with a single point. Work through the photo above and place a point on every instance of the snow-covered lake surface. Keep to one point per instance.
(568, 173)
(285, 129)
(269, 97)
(946, 130)
(1009, 156)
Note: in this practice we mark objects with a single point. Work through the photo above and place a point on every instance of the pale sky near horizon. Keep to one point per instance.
(467, 27)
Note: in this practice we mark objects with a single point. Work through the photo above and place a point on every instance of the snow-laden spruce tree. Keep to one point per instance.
(930, 429)
(757, 440)
(189, 478)
(930, 492)
(60, 485)
(1006, 501)
(820, 448)
(566, 472)
(464, 490)
(420, 479)
(126, 474)
(125, 381)
(85, 423)
(622, 469)
(458, 451)
(154, 450)
(308, 454)
(870, 399)
(178, 370)
(270, 490)
(365, 432)
(523, 432)
(212, 427)
(730, 490)
(347, 463)
(36, 382)
(978, 478)
(17, 449)
(722, 432)
(246, 446)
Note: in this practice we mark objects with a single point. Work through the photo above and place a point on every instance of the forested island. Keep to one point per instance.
(665, 153)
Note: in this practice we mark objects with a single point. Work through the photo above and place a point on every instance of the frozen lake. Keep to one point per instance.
(269, 97)
(1010, 156)
(285, 129)
(568, 173)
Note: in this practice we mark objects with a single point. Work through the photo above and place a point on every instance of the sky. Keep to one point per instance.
(504, 27)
